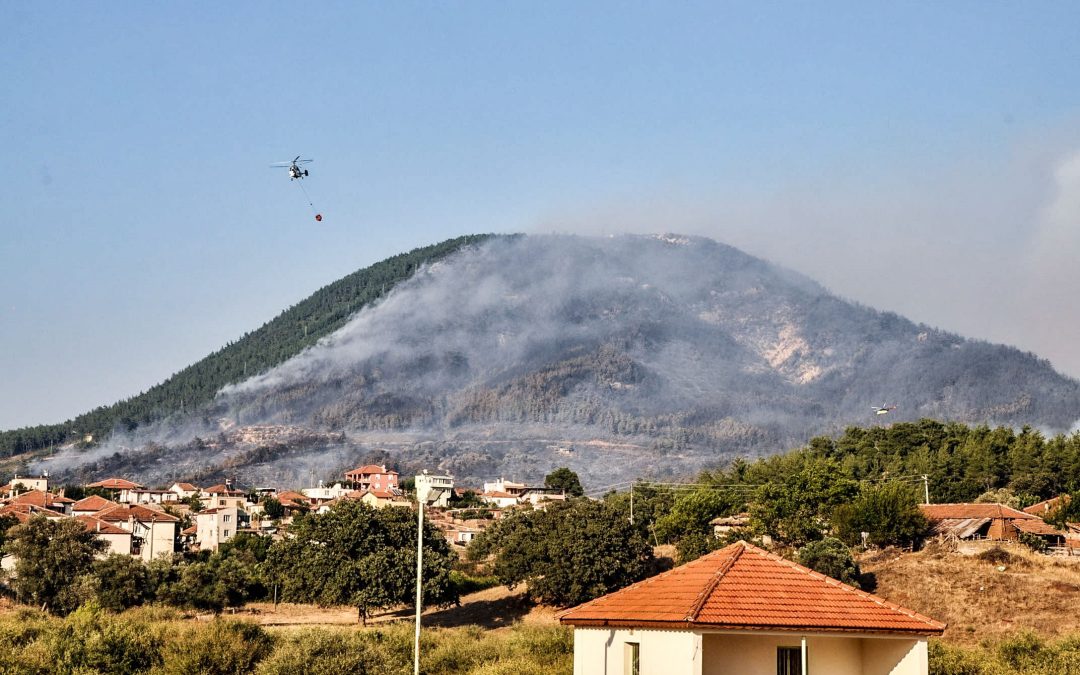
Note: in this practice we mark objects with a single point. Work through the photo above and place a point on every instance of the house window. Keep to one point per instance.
(226, 534)
(226, 518)
(631, 658)
(788, 661)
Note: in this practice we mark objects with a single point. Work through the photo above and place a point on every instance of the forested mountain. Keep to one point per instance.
(298, 327)
(619, 356)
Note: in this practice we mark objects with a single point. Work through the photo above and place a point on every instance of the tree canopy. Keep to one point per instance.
(568, 553)
(360, 556)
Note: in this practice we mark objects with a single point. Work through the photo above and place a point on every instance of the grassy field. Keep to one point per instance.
(157, 641)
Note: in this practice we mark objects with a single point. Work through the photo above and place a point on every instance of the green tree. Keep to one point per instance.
(273, 508)
(832, 558)
(888, 513)
(567, 553)
(120, 582)
(359, 556)
(797, 509)
(691, 513)
(566, 480)
(50, 557)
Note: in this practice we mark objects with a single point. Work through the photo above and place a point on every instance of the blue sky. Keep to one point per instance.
(918, 157)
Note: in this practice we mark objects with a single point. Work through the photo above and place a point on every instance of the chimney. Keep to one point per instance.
(99, 526)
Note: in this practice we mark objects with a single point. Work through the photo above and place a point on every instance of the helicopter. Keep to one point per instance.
(295, 172)
(883, 409)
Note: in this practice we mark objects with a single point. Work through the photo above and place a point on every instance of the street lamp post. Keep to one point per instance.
(422, 493)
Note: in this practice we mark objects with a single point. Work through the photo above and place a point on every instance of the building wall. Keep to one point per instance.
(754, 654)
(600, 651)
(895, 657)
(117, 543)
(159, 540)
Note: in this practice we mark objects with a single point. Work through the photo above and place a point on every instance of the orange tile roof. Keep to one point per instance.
(1047, 505)
(39, 498)
(93, 503)
(742, 587)
(99, 526)
(964, 511)
(115, 484)
(368, 469)
(140, 513)
(1037, 526)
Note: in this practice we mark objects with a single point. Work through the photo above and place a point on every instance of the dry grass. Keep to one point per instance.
(491, 608)
(977, 598)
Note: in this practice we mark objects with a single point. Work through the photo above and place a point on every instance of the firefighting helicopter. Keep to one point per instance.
(883, 409)
(295, 172)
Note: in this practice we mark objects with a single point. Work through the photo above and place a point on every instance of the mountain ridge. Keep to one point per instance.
(517, 353)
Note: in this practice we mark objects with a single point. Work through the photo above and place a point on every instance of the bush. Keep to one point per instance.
(832, 558)
(221, 647)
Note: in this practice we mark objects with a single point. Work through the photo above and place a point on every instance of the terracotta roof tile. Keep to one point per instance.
(115, 484)
(369, 469)
(1046, 505)
(742, 587)
(93, 503)
(99, 526)
(964, 511)
(140, 513)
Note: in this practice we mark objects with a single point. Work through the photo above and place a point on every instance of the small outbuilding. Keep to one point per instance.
(743, 610)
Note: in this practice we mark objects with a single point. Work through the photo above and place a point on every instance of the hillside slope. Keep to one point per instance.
(295, 329)
(619, 356)
(981, 598)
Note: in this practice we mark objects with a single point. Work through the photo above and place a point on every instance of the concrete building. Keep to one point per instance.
(153, 532)
(436, 490)
(743, 610)
(372, 477)
(214, 527)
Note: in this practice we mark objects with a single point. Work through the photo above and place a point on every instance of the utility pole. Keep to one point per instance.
(631, 502)
(419, 578)
(926, 487)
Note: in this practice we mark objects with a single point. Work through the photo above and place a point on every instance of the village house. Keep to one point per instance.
(91, 505)
(1044, 507)
(118, 487)
(117, 539)
(995, 522)
(372, 477)
(437, 489)
(153, 532)
(499, 500)
(727, 524)
(185, 490)
(40, 483)
(216, 526)
(45, 500)
(322, 493)
(223, 496)
(743, 610)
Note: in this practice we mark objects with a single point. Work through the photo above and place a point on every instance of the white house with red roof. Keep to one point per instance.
(743, 610)
(154, 532)
(120, 487)
(215, 526)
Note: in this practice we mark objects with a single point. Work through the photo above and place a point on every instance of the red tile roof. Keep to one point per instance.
(223, 490)
(964, 511)
(187, 487)
(99, 526)
(1046, 505)
(93, 503)
(115, 484)
(1037, 526)
(140, 513)
(742, 587)
(39, 498)
(368, 469)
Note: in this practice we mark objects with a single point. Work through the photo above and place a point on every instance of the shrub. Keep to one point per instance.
(221, 647)
(832, 558)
